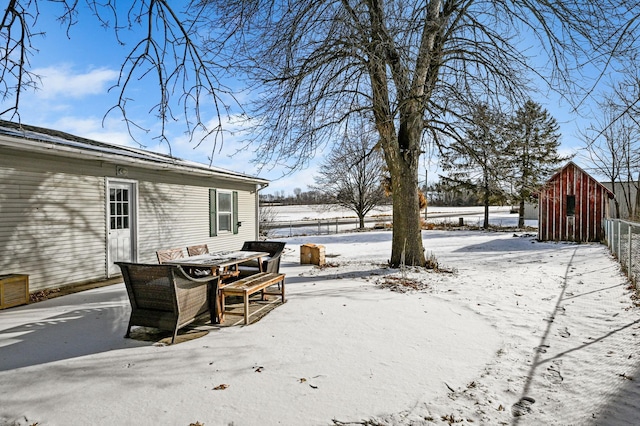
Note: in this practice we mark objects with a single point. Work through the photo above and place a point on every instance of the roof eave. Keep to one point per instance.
(43, 147)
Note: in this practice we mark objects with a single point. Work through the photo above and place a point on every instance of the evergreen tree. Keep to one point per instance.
(475, 162)
(532, 152)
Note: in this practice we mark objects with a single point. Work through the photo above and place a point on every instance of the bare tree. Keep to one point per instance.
(626, 101)
(166, 50)
(268, 216)
(613, 151)
(410, 65)
(351, 175)
(297, 192)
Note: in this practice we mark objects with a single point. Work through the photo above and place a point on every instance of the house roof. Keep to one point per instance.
(572, 164)
(38, 139)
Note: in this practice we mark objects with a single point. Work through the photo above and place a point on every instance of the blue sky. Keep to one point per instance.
(77, 72)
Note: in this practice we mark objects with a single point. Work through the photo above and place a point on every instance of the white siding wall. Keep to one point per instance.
(53, 224)
(173, 215)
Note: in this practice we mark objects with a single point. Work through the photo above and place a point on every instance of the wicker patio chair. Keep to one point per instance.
(270, 263)
(165, 297)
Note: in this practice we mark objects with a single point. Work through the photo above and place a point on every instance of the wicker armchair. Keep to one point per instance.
(270, 263)
(165, 297)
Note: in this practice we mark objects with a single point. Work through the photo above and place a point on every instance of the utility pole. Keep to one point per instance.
(426, 191)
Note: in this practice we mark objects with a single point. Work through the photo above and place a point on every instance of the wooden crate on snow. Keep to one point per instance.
(14, 290)
(312, 254)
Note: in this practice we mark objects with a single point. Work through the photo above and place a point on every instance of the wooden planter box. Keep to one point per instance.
(312, 254)
(14, 290)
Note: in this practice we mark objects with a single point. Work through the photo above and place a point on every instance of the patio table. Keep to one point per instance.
(219, 259)
(219, 263)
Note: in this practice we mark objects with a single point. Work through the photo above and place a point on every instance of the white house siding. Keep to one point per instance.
(52, 220)
(174, 213)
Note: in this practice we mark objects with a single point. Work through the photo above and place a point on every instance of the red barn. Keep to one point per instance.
(571, 206)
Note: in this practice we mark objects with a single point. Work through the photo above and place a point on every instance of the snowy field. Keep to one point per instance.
(511, 332)
(322, 218)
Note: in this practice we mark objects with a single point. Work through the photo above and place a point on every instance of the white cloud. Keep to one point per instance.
(63, 81)
(234, 154)
(229, 152)
(300, 179)
(92, 128)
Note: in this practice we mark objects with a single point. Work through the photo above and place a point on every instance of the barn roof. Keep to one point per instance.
(572, 164)
(38, 139)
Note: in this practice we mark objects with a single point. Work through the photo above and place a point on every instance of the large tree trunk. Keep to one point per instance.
(401, 148)
(403, 160)
(407, 245)
(485, 201)
(485, 224)
(616, 203)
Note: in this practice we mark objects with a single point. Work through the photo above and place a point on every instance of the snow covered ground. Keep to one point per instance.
(511, 332)
(322, 218)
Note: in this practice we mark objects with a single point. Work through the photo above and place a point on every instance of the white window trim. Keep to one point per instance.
(219, 212)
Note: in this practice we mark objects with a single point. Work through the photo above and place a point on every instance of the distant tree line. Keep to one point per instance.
(297, 197)
(437, 194)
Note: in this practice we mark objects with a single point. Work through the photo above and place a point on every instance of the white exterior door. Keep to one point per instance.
(121, 222)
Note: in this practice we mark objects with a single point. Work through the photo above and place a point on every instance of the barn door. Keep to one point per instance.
(121, 221)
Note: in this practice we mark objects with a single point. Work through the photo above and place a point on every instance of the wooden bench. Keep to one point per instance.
(252, 284)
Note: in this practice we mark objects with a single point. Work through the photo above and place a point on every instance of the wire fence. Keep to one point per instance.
(316, 227)
(623, 239)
